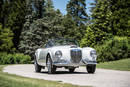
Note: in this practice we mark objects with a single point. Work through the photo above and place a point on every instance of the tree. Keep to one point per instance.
(1, 4)
(10, 17)
(120, 17)
(16, 18)
(114, 16)
(26, 31)
(49, 5)
(4, 12)
(100, 29)
(55, 24)
(94, 36)
(37, 31)
(6, 36)
(69, 27)
(48, 9)
(77, 10)
(109, 17)
(38, 7)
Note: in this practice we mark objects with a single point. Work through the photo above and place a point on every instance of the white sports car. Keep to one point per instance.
(61, 52)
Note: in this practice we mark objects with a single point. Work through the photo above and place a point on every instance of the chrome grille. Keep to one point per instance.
(76, 55)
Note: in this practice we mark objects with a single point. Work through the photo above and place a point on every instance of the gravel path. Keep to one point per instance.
(101, 78)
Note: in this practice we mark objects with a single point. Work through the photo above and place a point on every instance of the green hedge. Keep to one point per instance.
(16, 58)
(114, 49)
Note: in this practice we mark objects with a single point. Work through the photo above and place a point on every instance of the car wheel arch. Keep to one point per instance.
(35, 57)
(48, 54)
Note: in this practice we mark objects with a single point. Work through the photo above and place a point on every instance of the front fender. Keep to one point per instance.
(86, 57)
(50, 52)
(37, 55)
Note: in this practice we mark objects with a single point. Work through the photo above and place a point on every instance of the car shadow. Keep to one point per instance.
(65, 72)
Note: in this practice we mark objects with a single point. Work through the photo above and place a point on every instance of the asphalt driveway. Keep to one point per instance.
(101, 78)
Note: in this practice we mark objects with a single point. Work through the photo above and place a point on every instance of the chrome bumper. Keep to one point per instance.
(69, 63)
(91, 63)
(66, 64)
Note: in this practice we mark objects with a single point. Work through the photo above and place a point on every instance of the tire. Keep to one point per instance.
(91, 68)
(51, 68)
(71, 70)
(37, 67)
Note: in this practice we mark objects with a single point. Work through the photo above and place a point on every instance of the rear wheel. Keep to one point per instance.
(50, 66)
(91, 68)
(37, 67)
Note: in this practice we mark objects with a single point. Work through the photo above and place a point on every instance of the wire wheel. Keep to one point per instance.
(51, 68)
(37, 67)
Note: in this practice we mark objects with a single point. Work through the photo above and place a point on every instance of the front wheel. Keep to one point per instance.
(50, 66)
(37, 67)
(91, 68)
(71, 70)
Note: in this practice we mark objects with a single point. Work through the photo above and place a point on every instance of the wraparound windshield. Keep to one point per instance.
(61, 42)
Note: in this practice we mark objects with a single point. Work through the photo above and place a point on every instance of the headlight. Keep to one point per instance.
(93, 54)
(58, 54)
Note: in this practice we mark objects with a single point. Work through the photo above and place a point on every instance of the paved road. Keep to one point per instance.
(102, 77)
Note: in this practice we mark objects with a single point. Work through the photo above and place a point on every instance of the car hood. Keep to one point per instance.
(66, 47)
(69, 47)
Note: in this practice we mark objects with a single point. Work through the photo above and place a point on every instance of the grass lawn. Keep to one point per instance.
(8, 80)
(123, 65)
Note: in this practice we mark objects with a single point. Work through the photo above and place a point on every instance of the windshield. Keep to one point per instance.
(61, 41)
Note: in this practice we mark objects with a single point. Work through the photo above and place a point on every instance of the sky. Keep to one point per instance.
(61, 4)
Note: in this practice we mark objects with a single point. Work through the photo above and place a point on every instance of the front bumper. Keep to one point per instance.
(66, 64)
(69, 63)
(91, 63)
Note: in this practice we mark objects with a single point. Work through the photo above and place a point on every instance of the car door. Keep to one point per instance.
(43, 53)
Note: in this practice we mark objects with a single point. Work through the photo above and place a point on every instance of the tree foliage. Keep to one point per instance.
(15, 20)
(6, 36)
(28, 24)
(69, 27)
(113, 49)
(120, 17)
(77, 9)
(4, 10)
(37, 31)
(109, 17)
(12, 15)
(26, 32)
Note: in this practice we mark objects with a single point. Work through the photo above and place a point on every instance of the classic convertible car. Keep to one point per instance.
(60, 52)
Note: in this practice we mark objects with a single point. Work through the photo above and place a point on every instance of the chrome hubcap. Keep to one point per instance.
(49, 65)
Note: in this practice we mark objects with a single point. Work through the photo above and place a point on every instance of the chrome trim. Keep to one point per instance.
(65, 64)
(91, 62)
(76, 55)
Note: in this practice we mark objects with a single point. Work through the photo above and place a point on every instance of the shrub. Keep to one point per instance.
(21, 58)
(17, 58)
(113, 49)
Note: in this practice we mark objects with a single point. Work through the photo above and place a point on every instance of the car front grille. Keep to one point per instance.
(76, 55)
